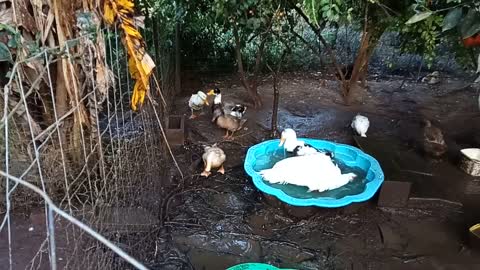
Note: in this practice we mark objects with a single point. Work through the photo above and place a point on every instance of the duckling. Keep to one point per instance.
(197, 101)
(432, 78)
(360, 124)
(213, 157)
(297, 147)
(433, 142)
(223, 120)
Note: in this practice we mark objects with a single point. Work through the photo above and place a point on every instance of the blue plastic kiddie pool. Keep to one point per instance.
(350, 159)
(255, 266)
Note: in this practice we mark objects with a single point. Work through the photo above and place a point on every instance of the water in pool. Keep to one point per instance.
(272, 156)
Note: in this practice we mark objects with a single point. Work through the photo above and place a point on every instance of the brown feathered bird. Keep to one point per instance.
(433, 141)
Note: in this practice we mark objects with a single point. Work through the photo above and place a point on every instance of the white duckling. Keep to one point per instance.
(291, 144)
(316, 172)
(360, 124)
(213, 157)
(197, 101)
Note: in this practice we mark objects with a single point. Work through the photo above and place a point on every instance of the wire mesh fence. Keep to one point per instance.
(78, 167)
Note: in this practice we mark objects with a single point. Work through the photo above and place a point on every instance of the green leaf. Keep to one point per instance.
(452, 19)
(8, 28)
(5, 54)
(472, 30)
(470, 24)
(419, 17)
(12, 43)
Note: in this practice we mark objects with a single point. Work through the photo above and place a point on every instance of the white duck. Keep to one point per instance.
(299, 148)
(213, 157)
(360, 124)
(197, 101)
(317, 172)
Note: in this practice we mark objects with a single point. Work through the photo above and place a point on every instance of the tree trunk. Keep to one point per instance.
(256, 70)
(370, 37)
(276, 100)
(61, 90)
(251, 89)
(276, 95)
(358, 67)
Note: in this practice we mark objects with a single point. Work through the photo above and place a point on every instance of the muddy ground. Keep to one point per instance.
(221, 221)
(224, 220)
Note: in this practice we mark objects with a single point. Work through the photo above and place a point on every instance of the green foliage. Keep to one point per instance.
(207, 38)
(249, 15)
(457, 18)
(419, 17)
(422, 37)
(470, 24)
(5, 54)
(320, 11)
(13, 41)
(452, 19)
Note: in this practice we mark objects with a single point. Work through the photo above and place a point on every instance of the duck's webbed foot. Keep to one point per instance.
(221, 170)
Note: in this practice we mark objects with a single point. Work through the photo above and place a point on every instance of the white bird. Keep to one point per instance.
(213, 157)
(317, 172)
(197, 101)
(360, 124)
(299, 148)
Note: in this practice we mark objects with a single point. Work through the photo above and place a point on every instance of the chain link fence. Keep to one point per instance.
(81, 181)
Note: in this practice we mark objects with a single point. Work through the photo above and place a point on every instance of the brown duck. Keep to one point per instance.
(433, 141)
(229, 122)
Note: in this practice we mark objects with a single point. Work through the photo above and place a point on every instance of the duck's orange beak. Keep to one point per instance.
(206, 102)
(282, 141)
(211, 92)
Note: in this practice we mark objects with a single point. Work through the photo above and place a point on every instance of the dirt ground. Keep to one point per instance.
(216, 222)
(220, 221)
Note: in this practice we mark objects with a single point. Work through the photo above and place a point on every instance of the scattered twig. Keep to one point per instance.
(417, 172)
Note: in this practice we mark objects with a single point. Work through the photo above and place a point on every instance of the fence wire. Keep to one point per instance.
(73, 194)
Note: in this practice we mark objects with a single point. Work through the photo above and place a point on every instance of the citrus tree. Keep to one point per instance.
(372, 17)
(249, 21)
(457, 21)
